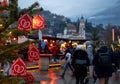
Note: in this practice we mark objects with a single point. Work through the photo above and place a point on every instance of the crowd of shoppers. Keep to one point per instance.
(84, 61)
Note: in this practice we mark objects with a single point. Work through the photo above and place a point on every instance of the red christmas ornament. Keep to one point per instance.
(29, 78)
(4, 3)
(25, 23)
(19, 68)
(33, 54)
(38, 22)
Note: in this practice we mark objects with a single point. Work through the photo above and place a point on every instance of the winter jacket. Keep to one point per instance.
(89, 51)
(81, 66)
(102, 71)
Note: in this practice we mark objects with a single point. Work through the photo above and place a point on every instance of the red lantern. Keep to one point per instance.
(19, 68)
(38, 22)
(33, 53)
(25, 23)
(4, 3)
(29, 78)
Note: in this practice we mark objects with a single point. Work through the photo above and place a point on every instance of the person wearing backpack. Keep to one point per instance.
(102, 63)
(80, 62)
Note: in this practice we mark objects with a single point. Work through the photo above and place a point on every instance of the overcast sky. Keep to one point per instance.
(71, 8)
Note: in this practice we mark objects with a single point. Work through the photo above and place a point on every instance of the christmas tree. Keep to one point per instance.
(9, 15)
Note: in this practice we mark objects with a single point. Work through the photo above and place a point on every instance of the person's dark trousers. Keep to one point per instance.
(79, 80)
(117, 65)
(82, 80)
(95, 78)
(54, 58)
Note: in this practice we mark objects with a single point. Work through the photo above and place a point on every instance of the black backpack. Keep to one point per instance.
(104, 60)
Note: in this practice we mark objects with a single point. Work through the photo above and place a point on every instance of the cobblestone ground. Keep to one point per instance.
(52, 76)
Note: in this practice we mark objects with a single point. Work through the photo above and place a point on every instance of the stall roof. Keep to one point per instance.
(55, 38)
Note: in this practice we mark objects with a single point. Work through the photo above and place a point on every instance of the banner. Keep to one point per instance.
(113, 35)
(39, 35)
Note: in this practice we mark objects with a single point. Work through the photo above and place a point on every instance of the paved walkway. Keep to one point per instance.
(52, 76)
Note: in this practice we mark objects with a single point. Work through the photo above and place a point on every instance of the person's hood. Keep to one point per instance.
(80, 47)
(88, 43)
(103, 48)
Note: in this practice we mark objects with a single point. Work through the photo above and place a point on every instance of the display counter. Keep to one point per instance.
(44, 61)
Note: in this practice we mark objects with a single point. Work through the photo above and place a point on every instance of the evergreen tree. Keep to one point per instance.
(12, 14)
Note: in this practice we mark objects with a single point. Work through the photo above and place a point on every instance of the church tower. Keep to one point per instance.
(82, 28)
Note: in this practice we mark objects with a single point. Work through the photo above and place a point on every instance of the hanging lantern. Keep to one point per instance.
(25, 23)
(18, 68)
(38, 22)
(4, 3)
(29, 78)
(33, 53)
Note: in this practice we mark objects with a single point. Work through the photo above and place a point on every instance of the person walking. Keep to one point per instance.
(42, 46)
(116, 60)
(80, 63)
(68, 58)
(117, 57)
(54, 50)
(102, 62)
(89, 50)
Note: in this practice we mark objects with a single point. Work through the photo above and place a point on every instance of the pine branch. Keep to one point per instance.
(36, 4)
(13, 47)
(35, 11)
(8, 52)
